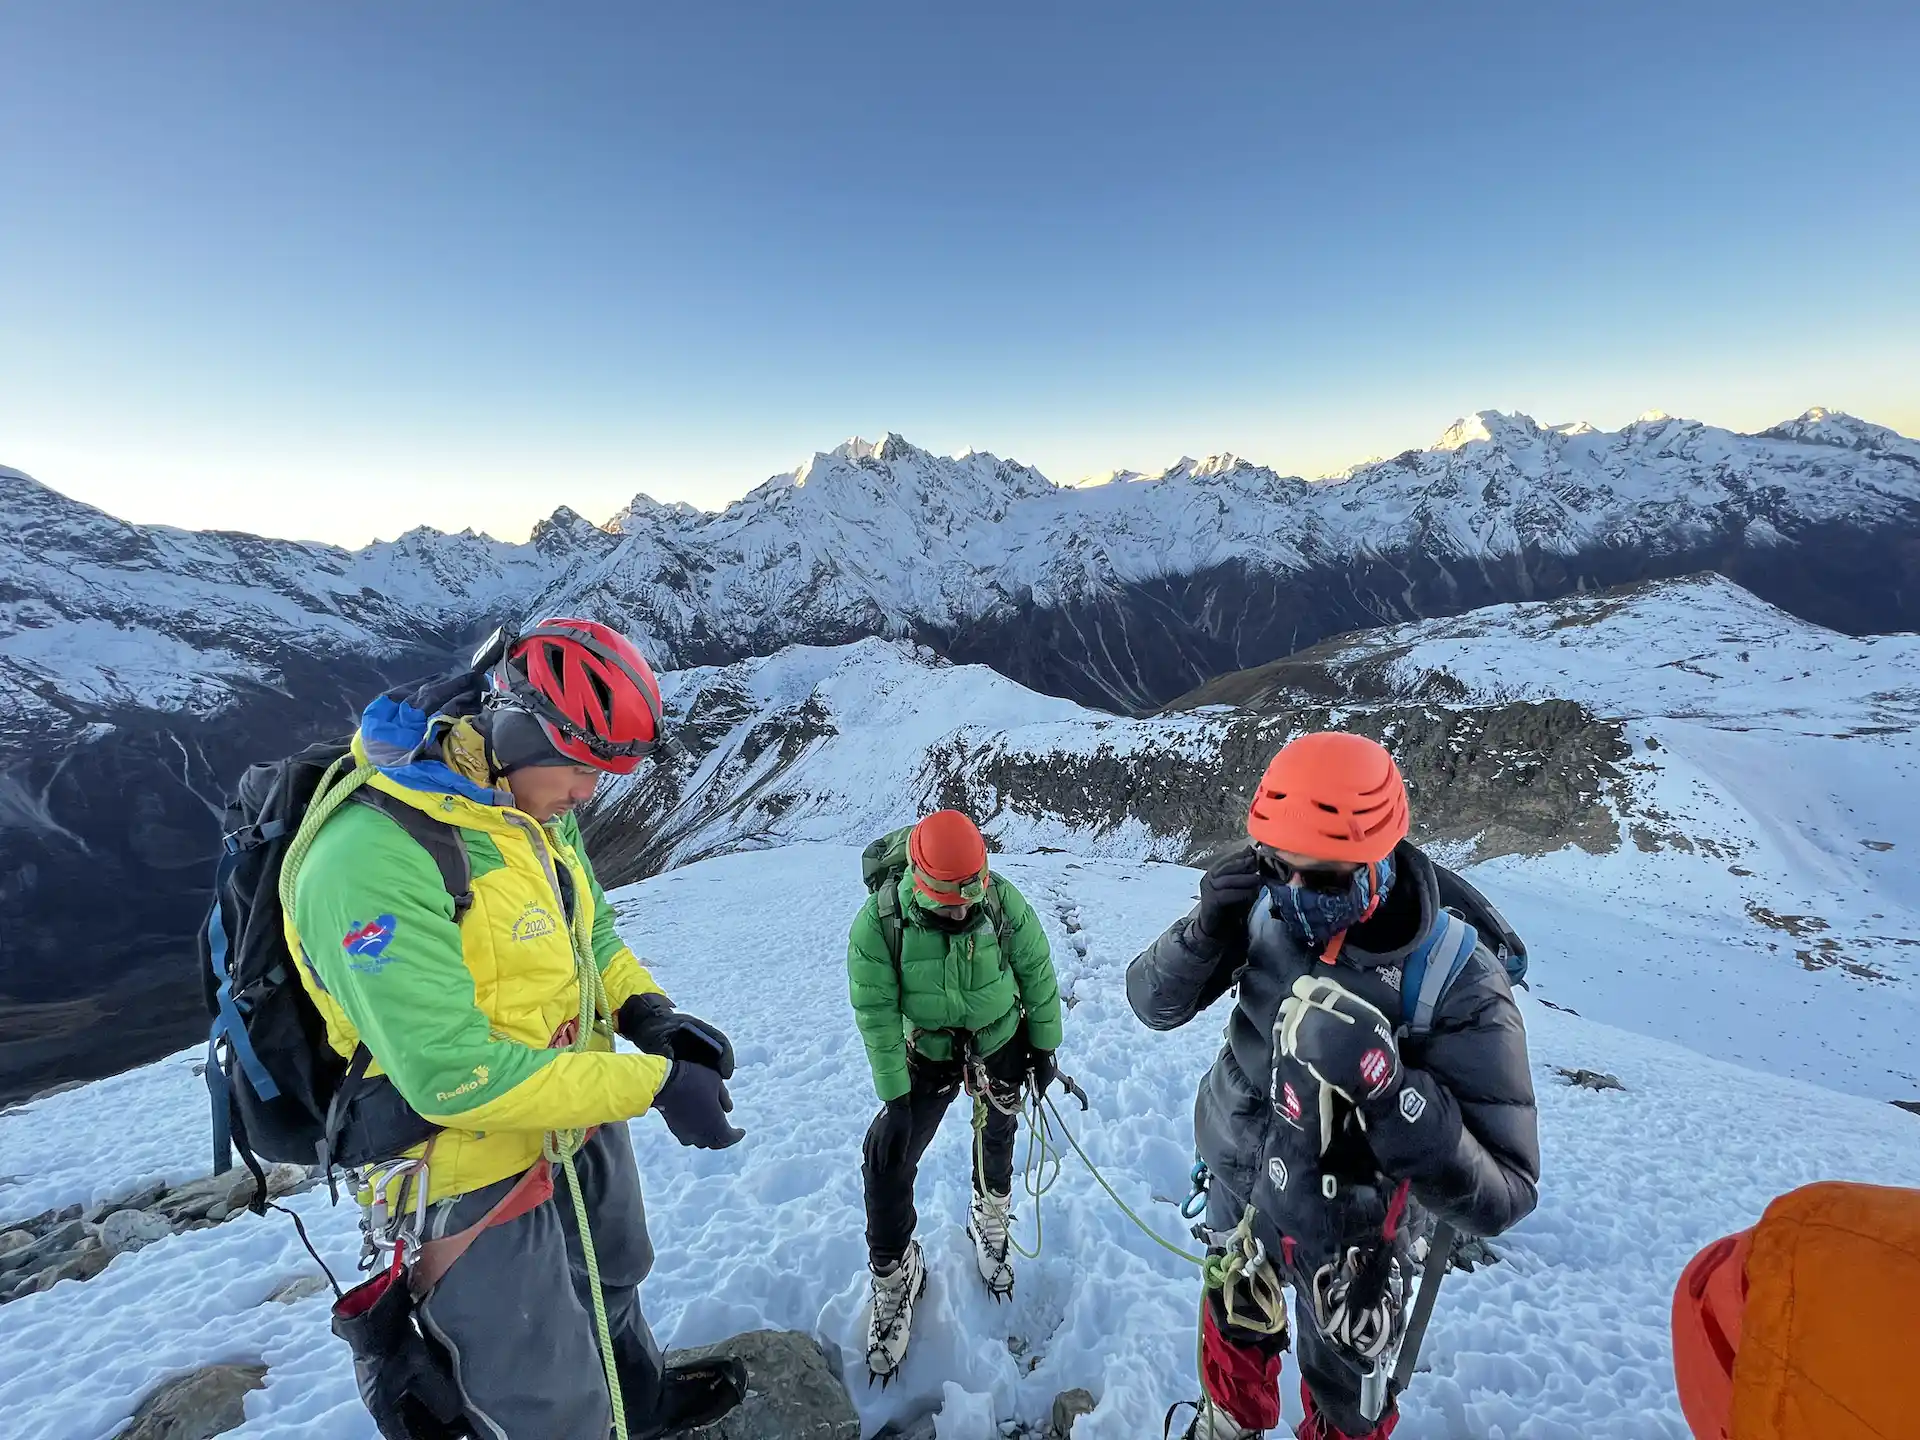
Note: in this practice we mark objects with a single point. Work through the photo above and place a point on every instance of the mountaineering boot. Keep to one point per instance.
(988, 1221)
(895, 1289)
(692, 1396)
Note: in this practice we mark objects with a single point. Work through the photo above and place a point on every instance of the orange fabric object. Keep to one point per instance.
(1831, 1333)
(1708, 1308)
(947, 845)
(1331, 796)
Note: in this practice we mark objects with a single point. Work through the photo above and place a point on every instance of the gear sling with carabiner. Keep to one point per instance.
(404, 1376)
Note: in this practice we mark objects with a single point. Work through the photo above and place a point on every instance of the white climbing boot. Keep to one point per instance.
(988, 1221)
(895, 1289)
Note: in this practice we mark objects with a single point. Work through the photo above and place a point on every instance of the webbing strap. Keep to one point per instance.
(221, 1095)
(1433, 967)
(230, 1024)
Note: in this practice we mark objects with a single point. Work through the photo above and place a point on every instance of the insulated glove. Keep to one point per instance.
(890, 1135)
(652, 1024)
(1227, 893)
(1346, 1043)
(1043, 1067)
(695, 1104)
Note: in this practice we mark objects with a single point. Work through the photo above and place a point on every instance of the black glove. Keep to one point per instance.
(1345, 1042)
(652, 1024)
(890, 1135)
(1043, 1067)
(1227, 893)
(695, 1104)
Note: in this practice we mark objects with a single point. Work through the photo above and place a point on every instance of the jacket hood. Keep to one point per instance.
(401, 735)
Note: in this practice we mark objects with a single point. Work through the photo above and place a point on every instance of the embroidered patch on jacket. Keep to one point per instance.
(1277, 1172)
(1288, 1104)
(533, 923)
(1412, 1104)
(367, 943)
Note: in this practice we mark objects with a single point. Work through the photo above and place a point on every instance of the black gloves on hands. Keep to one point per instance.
(695, 1104)
(1346, 1043)
(1043, 1067)
(1227, 893)
(890, 1135)
(652, 1024)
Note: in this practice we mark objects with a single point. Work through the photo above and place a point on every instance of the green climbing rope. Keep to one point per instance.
(561, 1146)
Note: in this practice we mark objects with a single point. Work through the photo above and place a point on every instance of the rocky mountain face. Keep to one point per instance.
(144, 667)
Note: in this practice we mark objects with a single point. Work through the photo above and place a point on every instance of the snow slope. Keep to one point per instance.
(1566, 1340)
(1699, 648)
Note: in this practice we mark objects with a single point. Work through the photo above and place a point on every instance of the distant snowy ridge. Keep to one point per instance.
(973, 554)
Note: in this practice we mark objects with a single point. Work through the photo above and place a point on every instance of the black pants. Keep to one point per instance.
(890, 1213)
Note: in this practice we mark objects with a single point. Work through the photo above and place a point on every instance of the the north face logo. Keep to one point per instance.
(1390, 975)
(533, 923)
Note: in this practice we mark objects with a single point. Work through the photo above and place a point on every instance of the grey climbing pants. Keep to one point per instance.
(515, 1313)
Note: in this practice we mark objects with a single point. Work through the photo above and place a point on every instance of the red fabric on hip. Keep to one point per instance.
(1240, 1379)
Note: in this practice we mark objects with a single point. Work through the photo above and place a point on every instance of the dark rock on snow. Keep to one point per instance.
(197, 1406)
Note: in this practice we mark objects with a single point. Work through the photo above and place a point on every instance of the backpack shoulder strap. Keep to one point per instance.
(1002, 927)
(887, 907)
(1433, 966)
(439, 839)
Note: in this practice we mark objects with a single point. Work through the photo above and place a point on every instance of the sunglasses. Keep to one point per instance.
(1321, 879)
(951, 892)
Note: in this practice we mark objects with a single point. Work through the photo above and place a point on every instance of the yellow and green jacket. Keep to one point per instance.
(470, 1018)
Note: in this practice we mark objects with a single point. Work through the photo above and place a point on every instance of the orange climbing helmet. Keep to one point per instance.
(1331, 796)
(949, 856)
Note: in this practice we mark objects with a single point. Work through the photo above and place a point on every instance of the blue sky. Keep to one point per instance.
(331, 270)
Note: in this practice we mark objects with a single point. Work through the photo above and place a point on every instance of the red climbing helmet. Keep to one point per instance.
(592, 691)
(1333, 796)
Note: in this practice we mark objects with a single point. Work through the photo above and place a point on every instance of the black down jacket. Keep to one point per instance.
(1461, 1127)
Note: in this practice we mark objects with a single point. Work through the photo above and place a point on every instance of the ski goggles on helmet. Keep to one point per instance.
(1330, 879)
(950, 892)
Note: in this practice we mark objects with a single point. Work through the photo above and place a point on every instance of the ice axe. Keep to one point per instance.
(1072, 1086)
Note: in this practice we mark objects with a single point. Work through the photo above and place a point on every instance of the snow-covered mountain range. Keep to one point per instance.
(145, 666)
(1123, 595)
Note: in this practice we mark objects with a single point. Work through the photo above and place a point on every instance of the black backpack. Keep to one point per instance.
(279, 1091)
(882, 865)
(1465, 900)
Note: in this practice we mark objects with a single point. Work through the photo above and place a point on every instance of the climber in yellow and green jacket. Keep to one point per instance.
(469, 1007)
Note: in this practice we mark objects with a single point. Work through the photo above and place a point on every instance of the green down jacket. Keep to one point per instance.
(949, 982)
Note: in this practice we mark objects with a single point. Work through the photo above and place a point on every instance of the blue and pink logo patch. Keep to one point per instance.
(368, 942)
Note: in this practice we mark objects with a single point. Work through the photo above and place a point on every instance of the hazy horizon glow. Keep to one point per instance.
(333, 272)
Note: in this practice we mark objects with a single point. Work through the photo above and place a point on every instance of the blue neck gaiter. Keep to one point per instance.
(1315, 917)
